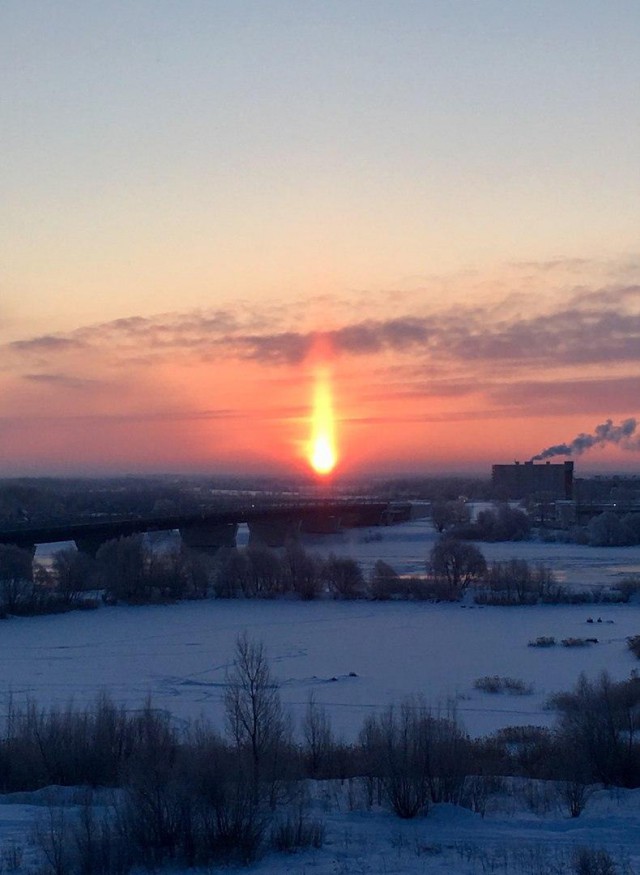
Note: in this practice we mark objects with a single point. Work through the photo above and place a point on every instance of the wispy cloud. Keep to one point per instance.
(596, 325)
(520, 355)
(62, 380)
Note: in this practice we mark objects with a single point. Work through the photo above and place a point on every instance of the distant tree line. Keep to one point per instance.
(500, 523)
(130, 570)
(504, 522)
(609, 529)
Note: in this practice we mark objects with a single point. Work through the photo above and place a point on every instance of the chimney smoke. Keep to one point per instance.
(606, 433)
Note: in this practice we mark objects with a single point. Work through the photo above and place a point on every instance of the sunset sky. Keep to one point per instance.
(205, 203)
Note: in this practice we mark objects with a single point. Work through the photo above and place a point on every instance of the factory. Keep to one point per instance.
(518, 481)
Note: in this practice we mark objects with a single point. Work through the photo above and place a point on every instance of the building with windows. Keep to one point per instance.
(548, 480)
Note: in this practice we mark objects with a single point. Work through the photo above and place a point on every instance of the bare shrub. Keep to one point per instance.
(99, 846)
(418, 758)
(593, 861)
(296, 832)
(629, 587)
(12, 856)
(477, 791)
(224, 817)
(398, 749)
(52, 837)
(318, 738)
(575, 794)
(633, 643)
(241, 820)
(578, 642)
(599, 720)
(541, 797)
(498, 684)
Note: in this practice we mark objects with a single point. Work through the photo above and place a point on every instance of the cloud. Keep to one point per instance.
(568, 396)
(596, 326)
(47, 343)
(63, 380)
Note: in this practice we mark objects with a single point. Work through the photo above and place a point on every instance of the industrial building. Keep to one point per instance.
(517, 481)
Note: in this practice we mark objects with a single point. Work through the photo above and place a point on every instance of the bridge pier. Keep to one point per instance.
(362, 517)
(209, 537)
(90, 544)
(273, 532)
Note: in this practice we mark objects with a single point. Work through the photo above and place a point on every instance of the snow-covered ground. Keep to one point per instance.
(524, 832)
(511, 839)
(357, 657)
(354, 656)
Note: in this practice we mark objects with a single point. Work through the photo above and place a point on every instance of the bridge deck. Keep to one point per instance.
(28, 535)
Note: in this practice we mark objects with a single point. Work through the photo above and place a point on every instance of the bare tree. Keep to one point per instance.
(16, 577)
(343, 577)
(445, 514)
(124, 564)
(72, 573)
(253, 708)
(318, 736)
(396, 748)
(457, 563)
(384, 581)
(302, 570)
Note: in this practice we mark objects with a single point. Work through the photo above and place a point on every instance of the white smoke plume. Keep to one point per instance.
(606, 433)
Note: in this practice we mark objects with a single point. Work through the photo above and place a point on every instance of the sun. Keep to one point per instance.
(322, 452)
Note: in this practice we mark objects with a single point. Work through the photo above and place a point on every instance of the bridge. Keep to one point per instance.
(270, 525)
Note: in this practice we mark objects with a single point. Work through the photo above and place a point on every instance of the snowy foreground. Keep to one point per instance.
(357, 657)
(524, 832)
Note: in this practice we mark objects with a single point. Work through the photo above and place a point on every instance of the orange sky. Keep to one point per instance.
(414, 387)
(443, 198)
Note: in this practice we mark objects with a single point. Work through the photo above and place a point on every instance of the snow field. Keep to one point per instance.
(356, 658)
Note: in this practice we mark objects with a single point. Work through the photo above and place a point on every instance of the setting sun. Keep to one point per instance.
(322, 449)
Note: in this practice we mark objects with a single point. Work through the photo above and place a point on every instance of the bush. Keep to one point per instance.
(302, 571)
(497, 684)
(344, 577)
(17, 591)
(418, 758)
(578, 642)
(296, 832)
(384, 582)
(598, 721)
(633, 643)
(504, 523)
(629, 587)
(445, 514)
(592, 861)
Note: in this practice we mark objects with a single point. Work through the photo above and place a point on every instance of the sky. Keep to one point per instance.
(205, 204)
